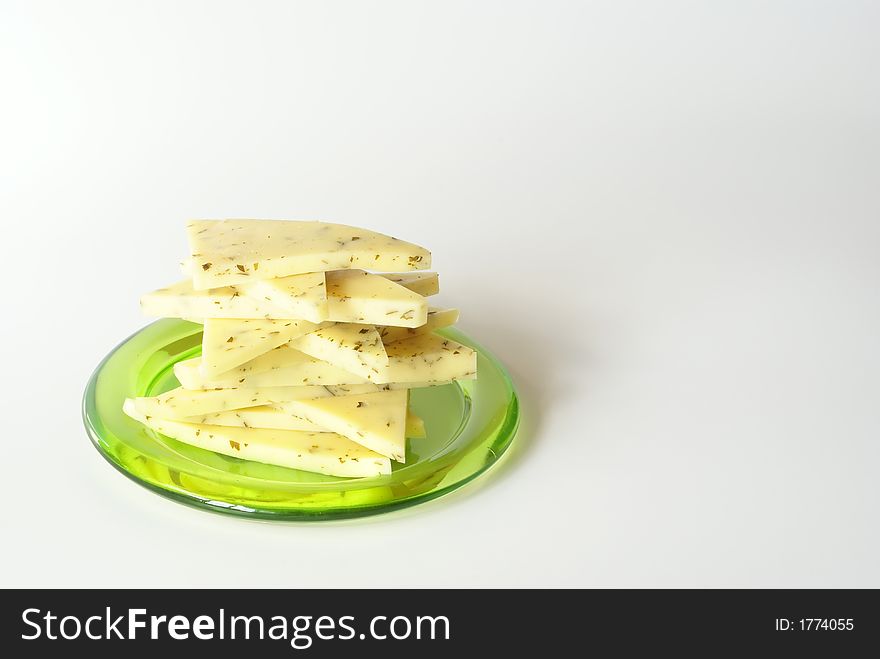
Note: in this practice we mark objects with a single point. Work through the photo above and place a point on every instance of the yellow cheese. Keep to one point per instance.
(181, 403)
(292, 293)
(415, 427)
(283, 364)
(421, 361)
(321, 452)
(305, 300)
(377, 421)
(355, 348)
(262, 416)
(437, 318)
(267, 416)
(423, 283)
(229, 252)
(355, 296)
(426, 358)
(227, 343)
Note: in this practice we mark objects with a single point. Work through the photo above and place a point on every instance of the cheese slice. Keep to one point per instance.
(181, 300)
(423, 283)
(415, 426)
(229, 252)
(426, 358)
(283, 364)
(437, 318)
(377, 421)
(227, 343)
(355, 348)
(355, 296)
(262, 416)
(321, 452)
(181, 403)
(292, 293)
(421, 361)
(268, 416)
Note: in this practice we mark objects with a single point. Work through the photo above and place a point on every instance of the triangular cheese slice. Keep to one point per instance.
(437, 319)
(229, 252)
(320, 452)
(427, 358)
(415, 426)
(181, 300)
(262, 416)
(355, 296)
(227, 343)
(299, 296)
(377, 421)
(268, 416)
(423, 283)
(283, 364)
(182, 403)
(355, 348)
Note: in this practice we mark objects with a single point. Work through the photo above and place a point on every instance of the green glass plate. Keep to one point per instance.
(469, 425)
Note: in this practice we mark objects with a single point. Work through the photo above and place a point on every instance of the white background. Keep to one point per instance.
(663, 217)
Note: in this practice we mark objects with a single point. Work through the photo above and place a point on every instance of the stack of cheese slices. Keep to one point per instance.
(307, 358)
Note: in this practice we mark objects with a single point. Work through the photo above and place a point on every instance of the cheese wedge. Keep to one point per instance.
(182, 403)
(415, 426)
(437, 318)
(267, 416)
(291, 293)
(321, 452)
(423, 283)
(377, 421)
(262, 416)
(227, 343)
(181, 300)
(283, 298)
(283, 364)
(190, 377)
(229, 252)
(355, 348)
(420, 361)
(355, 296)
(426, 358)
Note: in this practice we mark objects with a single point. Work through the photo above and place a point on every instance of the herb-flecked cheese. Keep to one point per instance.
(320, 452)
(268, 416)
(377, 421)
(426, 358)
(181, 403)
(420, 361)
(305, 299)
(355, 348)
(423, 283)
(283, 364)
(229, 252)
(415, 426)
(290, 292)
(437, 318)
(227, 343)
(355, 296)
(262, 416)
